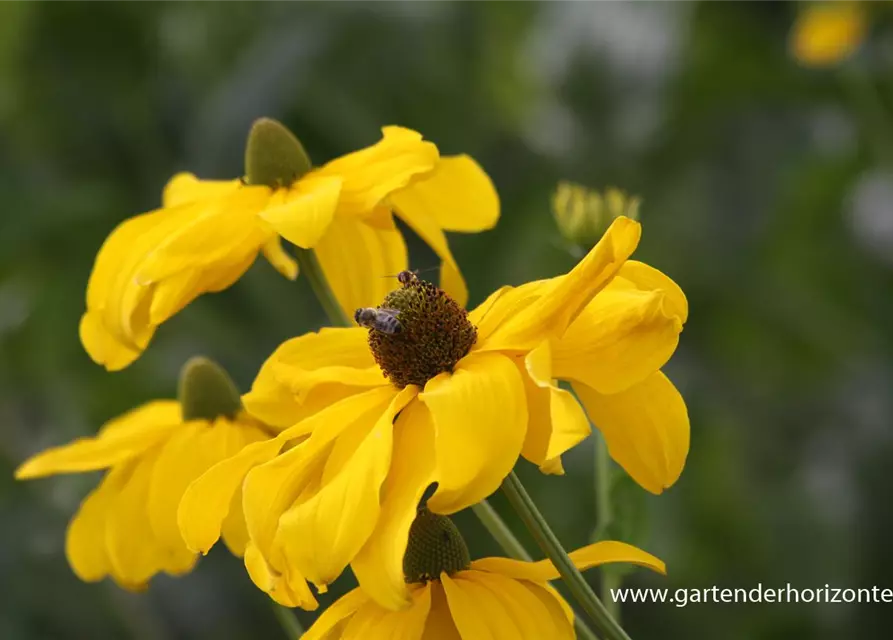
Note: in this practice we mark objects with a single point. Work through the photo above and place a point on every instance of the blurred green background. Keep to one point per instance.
(768, 195)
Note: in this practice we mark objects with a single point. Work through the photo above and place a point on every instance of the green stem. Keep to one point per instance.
(288, 621)
(604, 515)
(310, 269)
(548, 542)
(513, 547)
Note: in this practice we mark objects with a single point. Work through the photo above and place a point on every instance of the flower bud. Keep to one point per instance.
(583, 215)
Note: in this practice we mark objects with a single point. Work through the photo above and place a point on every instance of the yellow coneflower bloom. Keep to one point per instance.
(127, 527)
(208, 233)
(454, 599)
(455, 399)
(827, 32)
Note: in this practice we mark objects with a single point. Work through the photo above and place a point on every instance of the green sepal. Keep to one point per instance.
(206, 391)
(273, 155)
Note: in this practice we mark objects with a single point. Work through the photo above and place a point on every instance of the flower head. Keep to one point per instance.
(208, 233)
(826, 33)
(583, 215)
(452, 597)
(453, 400)
(127, 527)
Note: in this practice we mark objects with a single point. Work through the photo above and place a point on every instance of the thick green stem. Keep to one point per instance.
(310, 269)
(548, 542)
(604, 515)
(513, 547)
(288, 621)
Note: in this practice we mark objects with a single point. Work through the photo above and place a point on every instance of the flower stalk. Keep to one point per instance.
(604, 515)
(288, 621)
(548, 542)
(310, 269)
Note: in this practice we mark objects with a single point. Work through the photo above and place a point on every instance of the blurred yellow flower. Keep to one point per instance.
(453, 399)
(488, 598)
(127, 527)
(826, 33)
(208, 233)
(583, 215)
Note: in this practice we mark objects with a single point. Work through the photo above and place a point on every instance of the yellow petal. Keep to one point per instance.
(372, 622)
(471, 612)
(565, 298)
(458, 195)
(332, 618)
(645, 427)
(85, 541)
(288, 593)
(370, 174)
(360, 262)
(184, 188)
(480, 418)
(647, 278)
(281, 261)
(135, 555)
(557, 422)
(379, 564)
(185, 457)
(271, 488)
(503, 305)
(591, 555)
(207, 502)
(440, 625)
(621, 337)
(827, 32)
(119, 440)
(103, 346)
(307, 210)
(525, 604)
(322, 534)
(414, 213)
(335, 363)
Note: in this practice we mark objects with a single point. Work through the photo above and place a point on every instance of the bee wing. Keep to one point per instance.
(391, 312)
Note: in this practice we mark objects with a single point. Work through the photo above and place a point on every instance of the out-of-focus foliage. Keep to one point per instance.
(765, 195)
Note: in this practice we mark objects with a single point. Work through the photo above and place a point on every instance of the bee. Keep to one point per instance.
(407, 277)
(380, 319)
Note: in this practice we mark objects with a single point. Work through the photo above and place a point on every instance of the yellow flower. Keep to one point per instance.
(455, 400)
(826, 33)
(490, 598)
(127, 527)
(208, 233)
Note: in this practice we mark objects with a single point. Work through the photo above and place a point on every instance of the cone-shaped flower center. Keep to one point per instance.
(431, 333)
(207, 392)
(273, 155)
(435, 545)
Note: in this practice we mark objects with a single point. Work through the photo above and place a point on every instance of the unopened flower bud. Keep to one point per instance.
(583, 215)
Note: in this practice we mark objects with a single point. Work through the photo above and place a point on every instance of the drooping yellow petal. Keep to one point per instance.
(307, 210)
(372, 622)
(566, 296)
(272, 488)
(85, 540)
(184, 188)
(197, 447)
(332, 619)
(591, 555)
(480, 418)
(311, 372)
(289, 593)
(379, 564)
(458, 196)
(281, 261)
(135, 554)
(557, 421)
(103, 346)
(525, 604)
(826, 33)
(322, 534)
(370, 174)
(624, 335)
(119, 440)
(645, 427)
(471, 612)
(440, 625)
(647, 278)
(413, 212)
(360, 261)
(503, 305)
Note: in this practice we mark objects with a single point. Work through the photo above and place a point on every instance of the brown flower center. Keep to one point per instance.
(432, 333)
